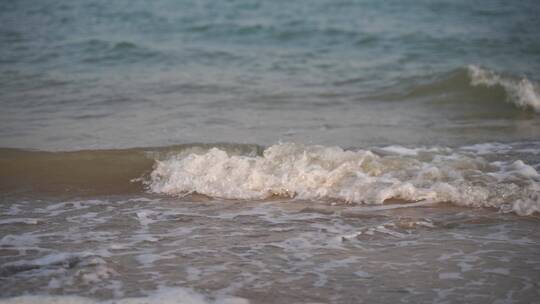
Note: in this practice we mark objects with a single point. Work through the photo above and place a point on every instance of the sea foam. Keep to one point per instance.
(331, 173)
(163, 295)
(523, 93)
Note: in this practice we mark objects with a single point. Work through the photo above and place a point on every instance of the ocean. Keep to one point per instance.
(243, 151)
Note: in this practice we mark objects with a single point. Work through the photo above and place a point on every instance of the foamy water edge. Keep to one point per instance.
(458, 176)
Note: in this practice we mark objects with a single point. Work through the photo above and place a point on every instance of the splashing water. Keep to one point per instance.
(523, 93)
(331, 173)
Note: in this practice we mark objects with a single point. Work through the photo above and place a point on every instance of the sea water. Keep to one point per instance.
(269, 151)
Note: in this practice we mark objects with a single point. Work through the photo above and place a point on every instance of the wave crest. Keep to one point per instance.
(522, 93)
(331, 173)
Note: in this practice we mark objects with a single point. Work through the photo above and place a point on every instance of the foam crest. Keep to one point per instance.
(523, 93)
(331, 173)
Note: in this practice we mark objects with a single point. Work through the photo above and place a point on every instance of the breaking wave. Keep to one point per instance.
(523, 93)
(474, 85)
(291, 170)
(497, 175)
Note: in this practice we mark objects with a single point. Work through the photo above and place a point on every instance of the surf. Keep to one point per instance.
(473, 176)
(354, 176)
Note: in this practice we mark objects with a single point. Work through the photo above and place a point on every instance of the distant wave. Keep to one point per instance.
(98, 51)
(472, 84)
(523, 93)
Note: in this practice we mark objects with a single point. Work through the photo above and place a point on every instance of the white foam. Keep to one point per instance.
(147, 259)
(488, 148)
(400, 150)
(28, 221)
(363, 274)
(530, 203)
(50, 259)
(21, 240)
(450, 276)
(13, 209)
(164, 295)
(144, 217)
(501, 271)
(522, 93)
(318, 172)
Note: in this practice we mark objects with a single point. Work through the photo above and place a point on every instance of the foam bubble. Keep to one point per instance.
(328, 173)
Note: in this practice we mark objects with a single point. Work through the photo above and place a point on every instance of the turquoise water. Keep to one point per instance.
(95, 74)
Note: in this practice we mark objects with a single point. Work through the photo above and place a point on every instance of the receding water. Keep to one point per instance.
(269, 252)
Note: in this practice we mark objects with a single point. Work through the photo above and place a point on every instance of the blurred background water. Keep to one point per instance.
(101, 74)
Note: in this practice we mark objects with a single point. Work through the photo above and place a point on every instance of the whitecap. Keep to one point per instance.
(331, 173)
(523, 93)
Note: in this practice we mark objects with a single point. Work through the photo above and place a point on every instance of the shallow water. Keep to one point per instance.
(302, 224)
(269, 252)
(269, 152)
